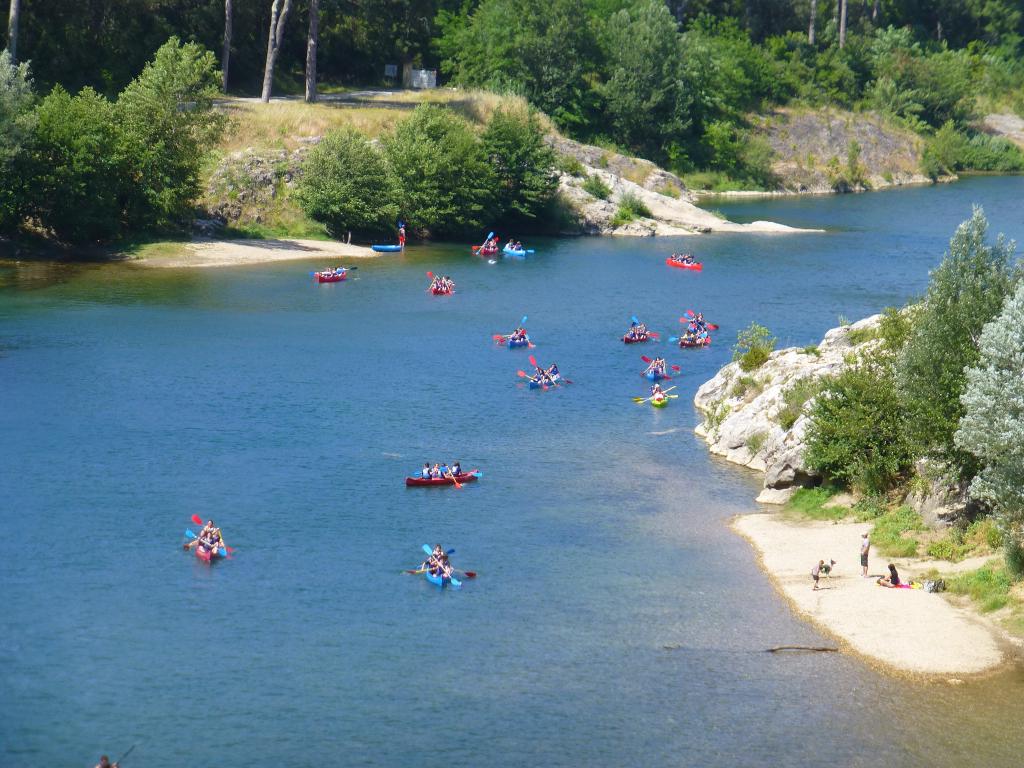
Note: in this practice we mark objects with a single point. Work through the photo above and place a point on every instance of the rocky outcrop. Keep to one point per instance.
(811, 151)
(670, 204)
(1007, 125)
(249, 184)
(938, 500)
(759, 419)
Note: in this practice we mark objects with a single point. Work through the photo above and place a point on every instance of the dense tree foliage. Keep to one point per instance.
(347, 185)
(434, 172)
(85, 169)
(992, 427)
(965, 292)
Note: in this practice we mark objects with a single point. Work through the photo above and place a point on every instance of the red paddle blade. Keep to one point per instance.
(533, 360)
(654, 335)
(430, 275)
(645, 358)
(689, 313)
(712, 326)
(469, 574)
(522, 374)
(676, 368)
(197, 520)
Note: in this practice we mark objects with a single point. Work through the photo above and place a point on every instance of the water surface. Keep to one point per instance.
(616, 620)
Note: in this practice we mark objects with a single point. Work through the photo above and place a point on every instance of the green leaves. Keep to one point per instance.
(522, 163)
(347, 184)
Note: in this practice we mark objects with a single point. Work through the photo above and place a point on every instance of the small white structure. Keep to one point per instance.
(419, 78)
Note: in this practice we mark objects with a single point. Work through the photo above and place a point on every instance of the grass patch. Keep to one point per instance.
(570, 165)
(717, 416)
(669, 190)
(890, 536)
(981, 537)
(988, 587)
(861, 335)
(151, 249)
(794, 399)
(756, 442)
(595, 187)
(812, 349)
(746, 385)
(810, 503)
(718, 181)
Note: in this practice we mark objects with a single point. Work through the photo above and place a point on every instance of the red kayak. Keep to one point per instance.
(627, 339)
(330, 277)
(465, 477)
(442, 291)
(694, 344)
(696, 266)
(206, 555)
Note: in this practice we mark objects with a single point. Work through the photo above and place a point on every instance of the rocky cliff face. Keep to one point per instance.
(759, 419)
(664, 194)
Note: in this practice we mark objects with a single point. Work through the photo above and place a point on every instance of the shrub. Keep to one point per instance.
(717, 416)
(965, 292)
(595, 187)
(633, 206)
(795, 398)
(570, 165)
(442, 175)
(988, 586)
(812, 349)
(861, 335)
(753, 347)
(347, 185)
(744, 385)
(756, 442)
(16, 127)
(75, 184)
(522, 163)
(167, 122)
(856, 435)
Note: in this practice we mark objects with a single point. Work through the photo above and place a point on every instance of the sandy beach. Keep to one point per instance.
(907, 630)
(233, 253)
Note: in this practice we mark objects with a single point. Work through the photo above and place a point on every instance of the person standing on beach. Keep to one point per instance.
(816, 573)
(865, 546)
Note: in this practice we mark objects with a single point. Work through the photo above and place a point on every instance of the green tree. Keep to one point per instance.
(545, 49)
(347, 185)
(646, 103)
(522, 163)
(16, 126)
(992, 427)
(965, 292)
(167, 126)
(75, 181)
(445, 183)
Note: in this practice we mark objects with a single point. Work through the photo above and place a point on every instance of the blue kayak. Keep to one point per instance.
(520, 343)
(652, 376)
(442, 581)
(386, 248)
(513, 252)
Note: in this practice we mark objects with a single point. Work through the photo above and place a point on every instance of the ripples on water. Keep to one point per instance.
(616, 621)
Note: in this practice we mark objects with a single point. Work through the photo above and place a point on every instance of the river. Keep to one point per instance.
(615, 621)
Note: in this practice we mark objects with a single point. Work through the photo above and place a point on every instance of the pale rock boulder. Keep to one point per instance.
(743, 426)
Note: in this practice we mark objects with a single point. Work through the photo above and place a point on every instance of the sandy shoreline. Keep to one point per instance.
(906, 630)
(231, 253)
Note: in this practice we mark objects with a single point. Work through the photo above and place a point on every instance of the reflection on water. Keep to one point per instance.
(615, 621)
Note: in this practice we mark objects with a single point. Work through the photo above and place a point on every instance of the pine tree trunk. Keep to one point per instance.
(842, 23)
(814, 14)
(225, 56)
(278, 15)
(875, 10)
(12, 30)
(311, 43)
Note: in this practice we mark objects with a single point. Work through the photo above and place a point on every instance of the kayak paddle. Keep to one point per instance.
(197, 520)
(639, 400)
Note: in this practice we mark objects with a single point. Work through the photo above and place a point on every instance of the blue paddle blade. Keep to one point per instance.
(455, 583)
(450, 552)
(634, 320)
(529, 250)
(428, 549)
(673, 339)
(523, 321)
(478, 473)
(188, 532)
(223, 552)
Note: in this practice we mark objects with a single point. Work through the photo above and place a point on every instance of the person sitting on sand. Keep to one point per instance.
(892, 580)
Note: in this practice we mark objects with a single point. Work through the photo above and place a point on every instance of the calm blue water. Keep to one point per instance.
(616, 620)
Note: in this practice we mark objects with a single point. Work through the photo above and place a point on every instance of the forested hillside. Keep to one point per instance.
(684, 84)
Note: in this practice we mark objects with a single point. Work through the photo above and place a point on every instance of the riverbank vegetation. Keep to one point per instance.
(681, 84)
(932, 401)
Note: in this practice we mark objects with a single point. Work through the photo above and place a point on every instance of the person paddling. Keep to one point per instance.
(457, 468)
(425, 472)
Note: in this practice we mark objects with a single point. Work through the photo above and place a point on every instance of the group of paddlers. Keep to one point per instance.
(696, 333)
(658, 367)
(682, 258)
(440, 470)
(547, 377)
(333, 272)
(209, 539)
(519, 334)
(637, 332)
(441, 284)
(437, 563)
